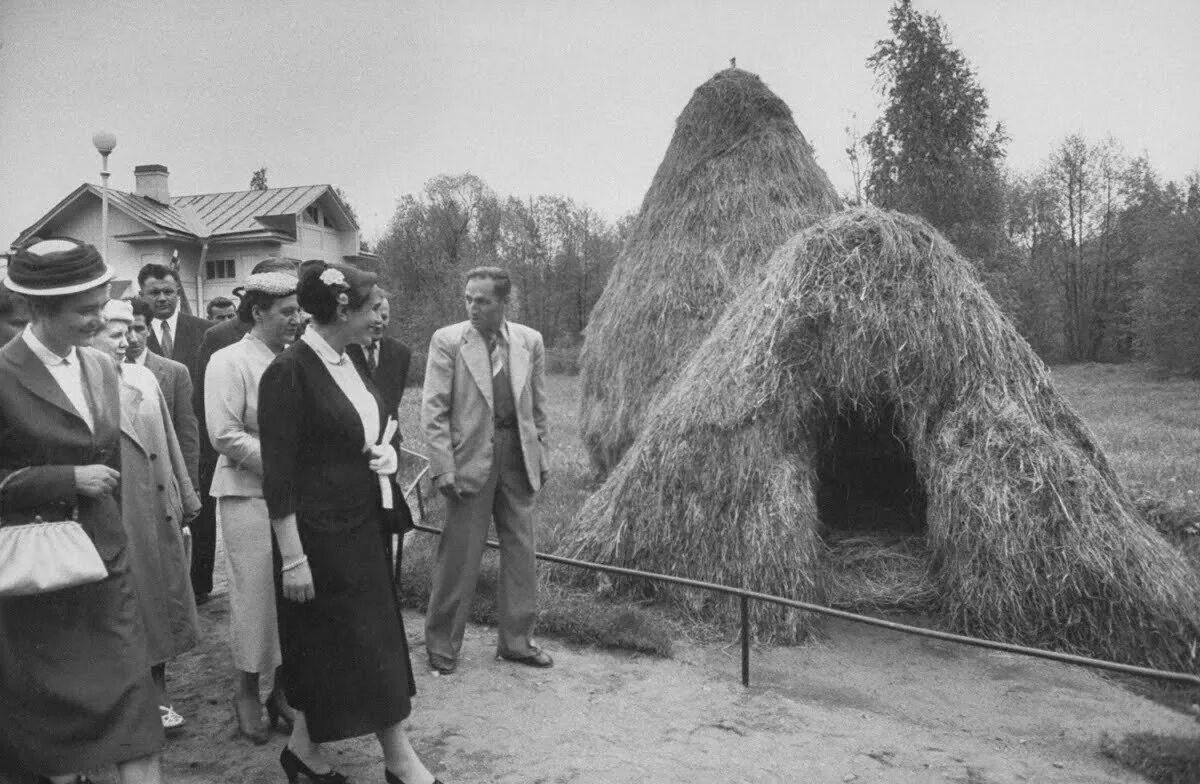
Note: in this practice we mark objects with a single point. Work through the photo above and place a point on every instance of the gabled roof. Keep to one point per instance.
(208, 215)
(237, 211)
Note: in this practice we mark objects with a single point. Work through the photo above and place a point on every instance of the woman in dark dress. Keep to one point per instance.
(346, 668)
(75, 687)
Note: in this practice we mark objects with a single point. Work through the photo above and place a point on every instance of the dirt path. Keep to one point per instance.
(865, 705)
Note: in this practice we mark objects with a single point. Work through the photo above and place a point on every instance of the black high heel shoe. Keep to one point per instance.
(293, 766)
(279, 712)
(392, 778)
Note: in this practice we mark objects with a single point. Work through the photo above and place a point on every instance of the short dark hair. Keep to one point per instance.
(142, 308)
(320, 300)
(159, 271)
(218, 302)
(502, 284)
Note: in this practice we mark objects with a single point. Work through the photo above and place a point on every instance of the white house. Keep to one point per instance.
(215, 238)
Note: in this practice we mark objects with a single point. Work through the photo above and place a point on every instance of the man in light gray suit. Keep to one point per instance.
(176, 384)
(484, 413)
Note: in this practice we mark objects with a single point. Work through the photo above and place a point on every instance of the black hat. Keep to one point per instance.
(56, 267)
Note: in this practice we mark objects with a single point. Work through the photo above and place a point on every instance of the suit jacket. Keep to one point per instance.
(391, 375)
(216, 337)
(189, 331)
(176, 385)
(456, 405)
(231, 412)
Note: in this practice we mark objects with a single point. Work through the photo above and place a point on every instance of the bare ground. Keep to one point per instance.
(863, 705)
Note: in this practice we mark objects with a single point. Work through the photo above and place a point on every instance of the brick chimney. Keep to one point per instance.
(151, 182)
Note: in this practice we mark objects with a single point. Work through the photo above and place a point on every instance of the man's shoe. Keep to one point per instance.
(538, 658)
(442, 666)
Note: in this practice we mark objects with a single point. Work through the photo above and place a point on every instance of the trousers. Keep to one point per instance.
(507, 498)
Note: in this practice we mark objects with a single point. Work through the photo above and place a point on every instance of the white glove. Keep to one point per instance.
(384, 460)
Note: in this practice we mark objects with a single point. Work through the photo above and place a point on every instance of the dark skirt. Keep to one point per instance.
(75, 687)
(345, 653)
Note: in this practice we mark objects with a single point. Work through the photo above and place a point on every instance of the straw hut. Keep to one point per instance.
(870, 349)
(737, 180)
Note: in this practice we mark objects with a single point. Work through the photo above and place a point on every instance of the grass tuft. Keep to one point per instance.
(1162, 759)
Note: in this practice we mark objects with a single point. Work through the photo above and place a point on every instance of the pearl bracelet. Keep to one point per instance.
(298, 562)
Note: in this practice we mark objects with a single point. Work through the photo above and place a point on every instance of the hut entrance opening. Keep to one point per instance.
(867, 480)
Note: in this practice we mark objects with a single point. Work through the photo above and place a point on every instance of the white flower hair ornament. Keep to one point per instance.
(334, 279)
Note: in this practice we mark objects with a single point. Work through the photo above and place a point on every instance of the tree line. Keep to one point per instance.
(558, 252)
(1092, 254)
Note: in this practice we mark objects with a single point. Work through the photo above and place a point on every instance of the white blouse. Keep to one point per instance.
(346, 376)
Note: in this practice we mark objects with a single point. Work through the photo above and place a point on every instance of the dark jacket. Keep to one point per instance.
(391, 375)
(312, 438)
(189, 331)
(75, 687)
(176, 385)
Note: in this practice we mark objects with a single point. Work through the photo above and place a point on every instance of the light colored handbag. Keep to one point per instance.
(41, 557)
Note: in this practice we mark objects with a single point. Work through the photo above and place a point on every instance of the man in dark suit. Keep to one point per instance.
(173, 335)
(385, 361)
(176, 385)
(177, 336)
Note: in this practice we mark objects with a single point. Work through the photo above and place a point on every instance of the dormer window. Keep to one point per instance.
(313, 215)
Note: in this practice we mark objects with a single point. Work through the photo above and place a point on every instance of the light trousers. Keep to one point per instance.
(507, 498)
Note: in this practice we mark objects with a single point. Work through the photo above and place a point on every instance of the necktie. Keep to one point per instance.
(167, 343)
(497, 356)
(373, 356)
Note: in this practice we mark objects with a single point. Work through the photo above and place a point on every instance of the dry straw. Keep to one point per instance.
(738, 179)
(1031, 538)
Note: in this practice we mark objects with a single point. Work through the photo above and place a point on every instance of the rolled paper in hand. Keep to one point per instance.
(385, 485)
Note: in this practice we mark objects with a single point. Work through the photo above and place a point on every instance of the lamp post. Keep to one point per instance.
(105, 142)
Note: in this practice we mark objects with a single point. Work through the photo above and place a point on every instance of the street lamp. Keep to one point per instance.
(105, 142)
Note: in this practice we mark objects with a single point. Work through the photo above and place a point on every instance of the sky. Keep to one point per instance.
(572, 98)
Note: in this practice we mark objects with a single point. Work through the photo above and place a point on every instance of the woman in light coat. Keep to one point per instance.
(157, 500)
(231, 414)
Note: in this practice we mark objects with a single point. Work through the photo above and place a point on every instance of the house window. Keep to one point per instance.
(313, 215)
(220, 269)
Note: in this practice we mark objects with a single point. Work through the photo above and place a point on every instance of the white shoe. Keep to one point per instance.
(170, 719)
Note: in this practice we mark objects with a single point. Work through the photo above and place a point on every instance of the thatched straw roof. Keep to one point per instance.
(874, 316)
(737, 179)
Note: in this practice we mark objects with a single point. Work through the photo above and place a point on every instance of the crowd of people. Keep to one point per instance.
(275, 420)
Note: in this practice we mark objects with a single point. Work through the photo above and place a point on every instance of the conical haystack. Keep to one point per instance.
(872, 317)
(737, 180)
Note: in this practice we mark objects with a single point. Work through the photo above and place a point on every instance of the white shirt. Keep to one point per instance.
(66, 372)
(156, 325)
(140, 359)
(345, 375)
